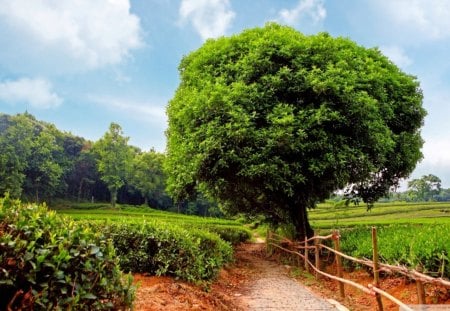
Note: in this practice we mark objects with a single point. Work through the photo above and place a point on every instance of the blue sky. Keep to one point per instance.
(83, 64)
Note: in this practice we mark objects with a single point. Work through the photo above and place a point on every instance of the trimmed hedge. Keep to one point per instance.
(231, 234)
(51, 262)
(166, 249)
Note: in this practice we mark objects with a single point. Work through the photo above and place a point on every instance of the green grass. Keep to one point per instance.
(328, 216)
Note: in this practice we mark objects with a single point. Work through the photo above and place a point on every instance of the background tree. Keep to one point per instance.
(114, 157)
(16, 137)
(425, 188)
(271, 121)
(83, 175)
(43, 171)
(147, 173)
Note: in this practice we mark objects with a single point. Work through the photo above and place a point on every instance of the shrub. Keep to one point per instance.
(231, 234)
(51, 262)
(166, 249)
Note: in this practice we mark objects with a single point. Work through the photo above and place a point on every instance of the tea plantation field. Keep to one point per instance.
(410, 234)
(329, 215)
(75, 258)
(229, 230)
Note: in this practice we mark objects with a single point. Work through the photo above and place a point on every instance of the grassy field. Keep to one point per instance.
(409, 234)
(102, 211)
(327, 215)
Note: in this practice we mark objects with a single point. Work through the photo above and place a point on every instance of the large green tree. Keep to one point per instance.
(271, 121)
(43, 171)
(147, 174)
(114, 159)
(424, 188)
(16, 140)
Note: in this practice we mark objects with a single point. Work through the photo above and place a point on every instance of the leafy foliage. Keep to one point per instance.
(147, 174)
(40, 163)
(271, 121)
(427, 246)
(37, 160)
(16, 134)
(50, 262)
(166, 249)
(425, 188)
(114, 156)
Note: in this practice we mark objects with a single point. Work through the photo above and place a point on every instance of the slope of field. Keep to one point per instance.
(327, 215)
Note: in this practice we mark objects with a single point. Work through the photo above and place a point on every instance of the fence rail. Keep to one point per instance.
(374, 289)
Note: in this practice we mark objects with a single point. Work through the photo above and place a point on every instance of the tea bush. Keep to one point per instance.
(167, 249)
(231, 234)
(51, 262)
(409, 245)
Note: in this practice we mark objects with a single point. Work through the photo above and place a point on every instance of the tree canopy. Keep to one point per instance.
(424, 188)
(114, 159)
(271, 121)
(147, 173)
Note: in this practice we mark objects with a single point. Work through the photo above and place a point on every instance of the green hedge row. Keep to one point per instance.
(410, 245)
(231, 234)
(166, 249)
(48, 262)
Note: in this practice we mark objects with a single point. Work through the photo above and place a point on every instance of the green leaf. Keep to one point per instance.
(88, 296)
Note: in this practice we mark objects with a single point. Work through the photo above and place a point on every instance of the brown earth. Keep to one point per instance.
(236, 279)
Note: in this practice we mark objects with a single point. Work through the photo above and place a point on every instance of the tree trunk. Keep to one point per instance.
(80, 189)
(145, 200)
(299, 216)
(113, 197)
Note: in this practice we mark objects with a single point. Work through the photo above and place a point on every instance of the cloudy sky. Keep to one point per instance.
(82, 64)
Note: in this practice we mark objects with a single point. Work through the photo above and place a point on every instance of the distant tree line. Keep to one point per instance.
(40, 163)
(426, 188)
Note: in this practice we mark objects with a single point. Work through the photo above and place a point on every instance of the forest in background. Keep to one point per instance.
(40, 163)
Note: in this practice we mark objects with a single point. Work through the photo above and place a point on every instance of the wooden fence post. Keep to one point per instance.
(376, 275)
(337, 247)
(420, 288)
(306, 254)
(317, 256)
(268, 241)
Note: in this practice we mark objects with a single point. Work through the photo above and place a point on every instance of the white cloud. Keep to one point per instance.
(137, 109)
(36, 92)
(437, 153)
(310, 10)
(92, 33)
(427, 19)
(211, 18)
(436, 161)
(397, 55)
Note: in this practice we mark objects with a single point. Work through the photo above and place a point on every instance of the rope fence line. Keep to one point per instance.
(273, 239)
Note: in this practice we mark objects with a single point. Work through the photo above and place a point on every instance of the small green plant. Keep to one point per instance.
(296, 272)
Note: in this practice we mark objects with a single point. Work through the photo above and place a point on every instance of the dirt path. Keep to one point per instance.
(252, 282)
(270, 287)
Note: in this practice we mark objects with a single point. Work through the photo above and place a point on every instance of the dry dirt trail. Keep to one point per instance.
(271, 288)
(251, 283)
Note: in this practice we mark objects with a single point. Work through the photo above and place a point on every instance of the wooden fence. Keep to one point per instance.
(374, 289)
